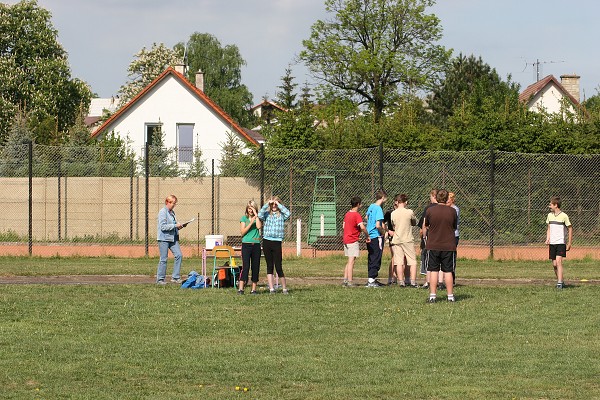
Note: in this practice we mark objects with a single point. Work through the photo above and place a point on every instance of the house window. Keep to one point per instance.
(151, 131)
(185, 143)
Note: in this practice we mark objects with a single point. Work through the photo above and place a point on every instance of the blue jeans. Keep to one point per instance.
(163, 250)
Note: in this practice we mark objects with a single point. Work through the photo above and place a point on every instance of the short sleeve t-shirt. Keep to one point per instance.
(558, 227)
(441, 221)
(352, 220)
(403, 220)
(253, 234)
(374, 214)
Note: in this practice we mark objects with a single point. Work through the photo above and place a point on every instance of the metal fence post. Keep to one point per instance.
(381, 165)
(30, 172)
(58, 173)
(262, 174)
(131, 172)
(147, 199)
(212, 202)
(492, 192)
(66, 205)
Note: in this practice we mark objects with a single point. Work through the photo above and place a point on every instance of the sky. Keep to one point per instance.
(102, 36)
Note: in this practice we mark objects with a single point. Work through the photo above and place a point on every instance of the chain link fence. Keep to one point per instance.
(105, 196)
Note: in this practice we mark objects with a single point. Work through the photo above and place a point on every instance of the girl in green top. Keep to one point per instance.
(250, 226)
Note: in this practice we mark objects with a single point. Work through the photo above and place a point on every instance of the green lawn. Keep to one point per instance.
(332, 266)
(320, 342)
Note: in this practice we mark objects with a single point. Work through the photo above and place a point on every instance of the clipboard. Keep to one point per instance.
(187, 222)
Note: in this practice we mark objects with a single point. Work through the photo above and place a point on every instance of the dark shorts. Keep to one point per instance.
(439, 259)
(559, 250)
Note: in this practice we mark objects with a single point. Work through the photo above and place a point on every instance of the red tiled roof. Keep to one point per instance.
(256, 135)
(533, 89)
(90, 121)
(265, 103)
(199, 93)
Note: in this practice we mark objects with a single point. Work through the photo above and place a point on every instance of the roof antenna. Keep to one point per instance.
(185, 59)
(537, 71)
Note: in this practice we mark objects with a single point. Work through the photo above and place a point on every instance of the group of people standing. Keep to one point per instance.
(270, 218)
(439, 238)
(438, 231)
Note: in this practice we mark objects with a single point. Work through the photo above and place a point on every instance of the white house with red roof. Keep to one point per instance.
(552, 96)
(266, 111)
(186, 116)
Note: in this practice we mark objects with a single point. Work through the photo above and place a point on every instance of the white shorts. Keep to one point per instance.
(405, 250)
(352, 249)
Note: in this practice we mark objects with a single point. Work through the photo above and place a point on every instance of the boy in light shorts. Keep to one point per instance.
(403, 219)
(353, 225)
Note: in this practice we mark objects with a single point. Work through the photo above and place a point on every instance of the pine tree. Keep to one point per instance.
(198, 168)
(231, 152)
(160, 159)
(14, 155)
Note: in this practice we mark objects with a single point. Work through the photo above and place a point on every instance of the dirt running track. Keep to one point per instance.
(470, 252)
(67, 250)
(304, 281)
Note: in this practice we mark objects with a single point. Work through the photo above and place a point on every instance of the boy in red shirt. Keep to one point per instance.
(353, 225)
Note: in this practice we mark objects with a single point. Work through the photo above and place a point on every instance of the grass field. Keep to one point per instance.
(320, 342)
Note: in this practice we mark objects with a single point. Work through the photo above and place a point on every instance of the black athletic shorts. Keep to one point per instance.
(440, 259)
(557, 250)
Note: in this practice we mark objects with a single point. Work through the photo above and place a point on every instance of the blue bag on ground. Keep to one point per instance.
(194, 281)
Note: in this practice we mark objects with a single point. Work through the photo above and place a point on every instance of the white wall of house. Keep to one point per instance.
(549, 99)
(170, 103)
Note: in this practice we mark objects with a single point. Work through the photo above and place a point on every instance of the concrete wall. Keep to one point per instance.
(105, 207)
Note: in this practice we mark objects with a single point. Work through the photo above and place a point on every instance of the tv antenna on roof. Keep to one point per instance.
(537, 71)
(185, 59)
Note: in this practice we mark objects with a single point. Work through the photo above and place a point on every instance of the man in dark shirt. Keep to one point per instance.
(423, 236)
(440, 222)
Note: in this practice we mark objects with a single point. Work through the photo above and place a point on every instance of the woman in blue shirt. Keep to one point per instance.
(273, 215)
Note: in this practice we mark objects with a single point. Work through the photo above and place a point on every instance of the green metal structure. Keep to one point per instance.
(323, 203)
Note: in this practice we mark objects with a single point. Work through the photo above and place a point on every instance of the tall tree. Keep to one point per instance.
(34, 71)
(222, 67)
(147, 65)
(286, 96)
(374, 50)
(468, 79)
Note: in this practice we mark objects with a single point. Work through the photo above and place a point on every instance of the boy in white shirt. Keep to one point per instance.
(558, 222)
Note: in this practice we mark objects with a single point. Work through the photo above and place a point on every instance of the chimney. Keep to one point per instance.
(200, 80)
(180, 67)
(571, 84)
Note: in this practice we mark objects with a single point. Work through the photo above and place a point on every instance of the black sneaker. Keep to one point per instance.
(425, 285)
(431, 300)
(560, 285)
(414, 285)
(441, 286)
(375, 283)
(240, 292)
(254, 292)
